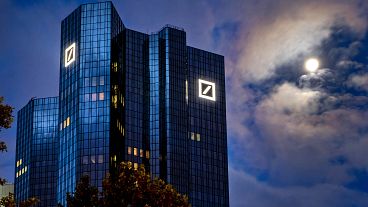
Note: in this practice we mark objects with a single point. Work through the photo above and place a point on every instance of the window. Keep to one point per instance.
(195, 136)
(135, 165)
(94, 97)
(101, 96)
(141, 153)
(93, 159)
(135, 151)
(147, 154)
(85, 160)
(100, 158)
(129, 150)
(198, 137)
(94, 81)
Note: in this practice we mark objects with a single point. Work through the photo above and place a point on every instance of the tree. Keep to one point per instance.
(85, 195)
(130, 187)
(9, 201)
(6, 119)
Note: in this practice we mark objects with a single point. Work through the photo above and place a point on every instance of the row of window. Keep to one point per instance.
(141, 152)
(19, 162)
(21, 171)
(65, 123)
(195, 136)
(93, 159)
(120, 127)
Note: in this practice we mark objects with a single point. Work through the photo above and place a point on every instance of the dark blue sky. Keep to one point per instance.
(295, 138)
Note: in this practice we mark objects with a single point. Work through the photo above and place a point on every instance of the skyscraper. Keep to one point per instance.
(37, 151)
(145, 98)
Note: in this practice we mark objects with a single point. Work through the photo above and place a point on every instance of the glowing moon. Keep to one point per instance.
(311, 65)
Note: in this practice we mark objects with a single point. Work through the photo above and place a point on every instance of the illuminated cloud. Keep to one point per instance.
(290, 29)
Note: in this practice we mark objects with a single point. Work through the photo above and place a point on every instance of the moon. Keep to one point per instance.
(311, 65)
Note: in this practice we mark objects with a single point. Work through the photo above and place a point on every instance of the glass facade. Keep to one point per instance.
(207, 130)
(144, 98)
(85, 97)
(37, 151)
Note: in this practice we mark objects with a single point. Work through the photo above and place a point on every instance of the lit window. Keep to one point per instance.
(141, 153)
(198, 137)
(129, 150)
(16, 174)
(25, 169)
(67, 121)
(147, 154)
(135, 151)
(64, 124)
(22, 171)
(94, 97)
(101, 96)
(135, 165)
(93, 159)
(115, 101)
(192, 136)
(115, 67)
(18, 163)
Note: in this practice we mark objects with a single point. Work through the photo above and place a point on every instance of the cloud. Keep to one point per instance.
(289, 29)
(297, 138)
(247, 191)
(359, 81)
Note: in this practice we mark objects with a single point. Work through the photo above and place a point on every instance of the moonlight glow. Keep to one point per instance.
(311, 65)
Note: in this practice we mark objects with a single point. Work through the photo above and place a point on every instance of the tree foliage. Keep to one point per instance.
(130, 187)
(9, 201)
(6, 118)
(85, 195)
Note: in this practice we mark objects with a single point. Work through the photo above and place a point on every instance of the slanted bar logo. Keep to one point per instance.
(207, 90)
(69, 55)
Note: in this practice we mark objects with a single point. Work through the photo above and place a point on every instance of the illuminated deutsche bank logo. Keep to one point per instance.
(207, 90)
(69, 55)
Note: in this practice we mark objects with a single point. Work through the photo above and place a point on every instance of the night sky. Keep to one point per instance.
(295, 138)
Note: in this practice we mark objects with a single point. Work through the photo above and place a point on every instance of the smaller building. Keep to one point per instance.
(5, 190)
(37, 151)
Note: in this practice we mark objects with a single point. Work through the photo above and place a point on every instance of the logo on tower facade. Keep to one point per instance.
(207, 90)
(69, 55)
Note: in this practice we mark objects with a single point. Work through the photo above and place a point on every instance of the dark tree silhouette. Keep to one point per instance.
(130, 187)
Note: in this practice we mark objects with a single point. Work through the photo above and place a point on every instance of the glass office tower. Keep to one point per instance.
(144, 98)
(85, 94)
(37, 151)
(207, 129)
